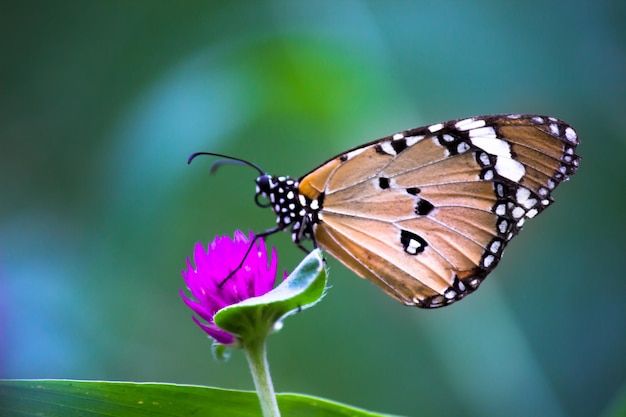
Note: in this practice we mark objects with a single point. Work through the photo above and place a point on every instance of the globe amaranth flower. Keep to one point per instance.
(255, 277)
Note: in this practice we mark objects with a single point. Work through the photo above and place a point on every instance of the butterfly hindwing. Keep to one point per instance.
(426, 213)
(363, 258)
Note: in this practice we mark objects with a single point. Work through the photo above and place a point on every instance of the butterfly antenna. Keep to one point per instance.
(232, 160)
(227, 160)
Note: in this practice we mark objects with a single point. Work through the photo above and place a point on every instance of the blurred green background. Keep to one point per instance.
(101, 103)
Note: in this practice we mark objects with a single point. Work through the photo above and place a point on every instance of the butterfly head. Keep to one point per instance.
(265, 184)
(291, 208)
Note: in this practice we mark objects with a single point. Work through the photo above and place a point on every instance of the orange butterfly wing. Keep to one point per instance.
(426, 213)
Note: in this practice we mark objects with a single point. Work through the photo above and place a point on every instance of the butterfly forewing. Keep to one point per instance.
(426, 213)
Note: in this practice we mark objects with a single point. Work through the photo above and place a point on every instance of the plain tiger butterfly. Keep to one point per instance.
(426, 213)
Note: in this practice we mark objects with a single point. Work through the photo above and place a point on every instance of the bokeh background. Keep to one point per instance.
(101, 103)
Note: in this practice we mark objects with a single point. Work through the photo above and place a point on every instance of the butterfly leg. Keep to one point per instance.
(254, 239)
(307, 251)
(315, 246)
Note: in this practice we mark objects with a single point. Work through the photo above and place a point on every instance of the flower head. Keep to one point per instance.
(223, 256)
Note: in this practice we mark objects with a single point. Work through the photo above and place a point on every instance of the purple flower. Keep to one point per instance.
(256, 277)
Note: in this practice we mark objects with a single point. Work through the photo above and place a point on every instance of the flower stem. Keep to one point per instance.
(257, 359)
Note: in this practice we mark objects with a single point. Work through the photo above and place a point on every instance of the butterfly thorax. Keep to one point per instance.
(292, 209)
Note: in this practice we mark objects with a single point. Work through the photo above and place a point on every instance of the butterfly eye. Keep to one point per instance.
(263, 188)
(263, 185)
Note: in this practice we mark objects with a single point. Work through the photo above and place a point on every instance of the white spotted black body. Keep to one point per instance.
(293, 210)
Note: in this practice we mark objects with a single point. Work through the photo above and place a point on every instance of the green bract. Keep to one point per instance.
(256, 317)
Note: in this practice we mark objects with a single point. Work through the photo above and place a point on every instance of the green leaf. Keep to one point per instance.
(257, 316)
(67, 398)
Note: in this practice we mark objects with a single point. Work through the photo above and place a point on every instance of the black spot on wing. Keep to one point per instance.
(423, 207)
(398, 145)
(412, 243)
(379, 150)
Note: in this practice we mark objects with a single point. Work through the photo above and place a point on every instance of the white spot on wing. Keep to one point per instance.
(435, 128)
(532, 213)
(412, 140)
(554, 129)
(354, 153)
(493, 146)
(570, 134)
(387, 148)
(487, 132)
(470, 123)
(529, 203)
(398, 136)
(517, 212)
(499, 190)
(522, 195)
(510, 168)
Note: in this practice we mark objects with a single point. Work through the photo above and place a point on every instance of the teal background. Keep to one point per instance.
(101, 103)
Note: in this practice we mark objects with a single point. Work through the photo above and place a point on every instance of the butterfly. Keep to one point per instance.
(426, 213)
